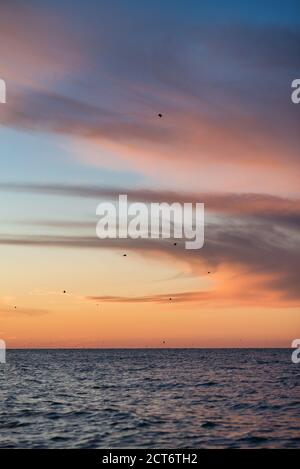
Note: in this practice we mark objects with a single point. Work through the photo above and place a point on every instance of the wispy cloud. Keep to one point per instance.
(250, 249)
(254, 204)
(251, 294)
(224, 90)
(252, 234)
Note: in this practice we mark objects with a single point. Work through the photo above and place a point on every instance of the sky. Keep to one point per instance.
(85, 84)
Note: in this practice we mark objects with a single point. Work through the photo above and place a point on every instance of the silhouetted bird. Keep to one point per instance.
(124, 255)
(64, 291)
(175, 244)
(170, 299)
(159, 115)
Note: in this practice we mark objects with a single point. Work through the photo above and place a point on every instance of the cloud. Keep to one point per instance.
(36, 49)
(272, 207)
(247, 295)
(255, 235)
(238, 203)
(249, 250)
(224, 91)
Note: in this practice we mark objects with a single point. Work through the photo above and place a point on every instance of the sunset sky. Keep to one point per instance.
(85, 83)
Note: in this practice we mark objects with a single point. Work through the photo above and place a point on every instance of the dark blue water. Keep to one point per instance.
(149, 398)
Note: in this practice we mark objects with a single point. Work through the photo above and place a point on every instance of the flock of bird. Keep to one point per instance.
(125, 255)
